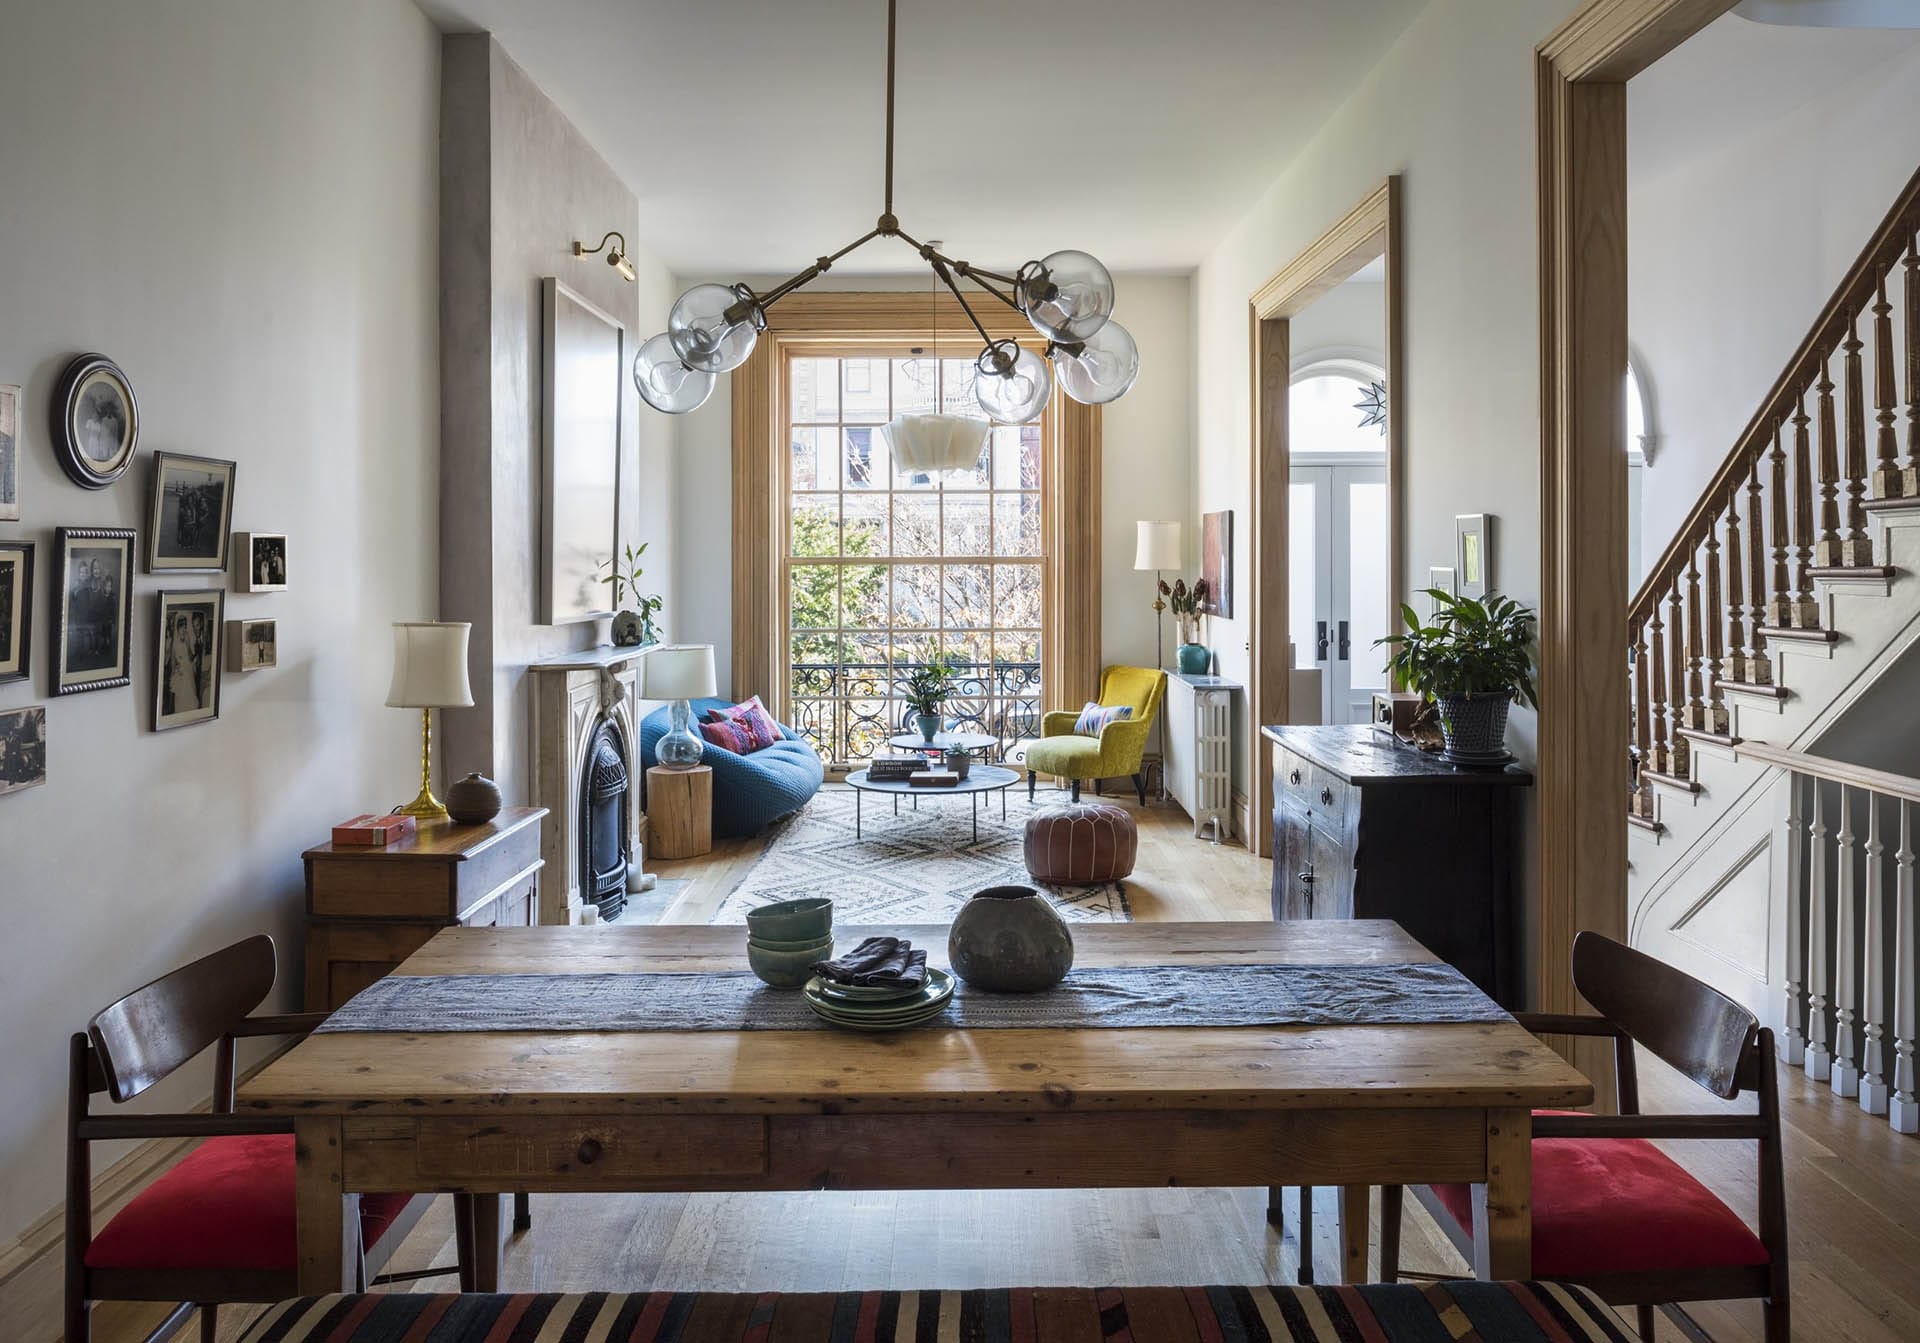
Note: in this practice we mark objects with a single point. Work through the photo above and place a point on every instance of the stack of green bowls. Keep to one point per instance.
(785, 939)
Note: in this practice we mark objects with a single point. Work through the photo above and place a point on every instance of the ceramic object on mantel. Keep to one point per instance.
(1010, 939)
(474, 799)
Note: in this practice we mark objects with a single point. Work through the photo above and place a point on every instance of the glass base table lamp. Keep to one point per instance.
(429, 672)
(679, 674)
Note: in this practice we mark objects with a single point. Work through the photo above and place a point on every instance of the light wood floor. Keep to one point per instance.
(1853, 1193)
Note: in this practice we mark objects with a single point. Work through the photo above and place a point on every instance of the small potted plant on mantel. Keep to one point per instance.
(928, 686)
(633, 626)
(1473, 659)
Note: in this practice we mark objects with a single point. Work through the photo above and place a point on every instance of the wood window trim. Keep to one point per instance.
(1369, 231)
(833, 322)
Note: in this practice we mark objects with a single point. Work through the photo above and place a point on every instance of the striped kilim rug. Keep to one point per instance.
(915, 867)
(1453, 1312)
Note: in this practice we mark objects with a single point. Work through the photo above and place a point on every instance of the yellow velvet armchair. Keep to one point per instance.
(1120, 749)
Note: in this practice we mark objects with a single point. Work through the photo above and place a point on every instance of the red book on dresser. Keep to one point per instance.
(373, 831)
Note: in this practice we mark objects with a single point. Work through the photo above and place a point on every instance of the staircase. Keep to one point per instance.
(1792, 587)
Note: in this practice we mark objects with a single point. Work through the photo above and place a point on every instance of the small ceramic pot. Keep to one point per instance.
(929, 726)
(805, 920)
(787, 969)
(626, 629)
(1474, 727)
(1194, 659)
(474, 799)
(1009, 939)
(959, 762)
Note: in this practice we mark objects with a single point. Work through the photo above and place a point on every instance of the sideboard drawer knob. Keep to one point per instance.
(589, 1151)
(1294, 777)
(1326, 797)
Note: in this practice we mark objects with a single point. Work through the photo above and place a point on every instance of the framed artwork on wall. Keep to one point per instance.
(192, 506)
(1473, 553)
(252, 645)
(95, 421)
(93, 608)
(1440, 576)
(187, 661)
(23, 748)
(1216, 562)
(9, 454)
(262, 561)
(16, 609)
(583, 365)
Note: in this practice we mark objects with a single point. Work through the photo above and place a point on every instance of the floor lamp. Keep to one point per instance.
(1156, 548)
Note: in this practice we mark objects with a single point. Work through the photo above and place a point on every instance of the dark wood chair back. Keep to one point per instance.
(156, 1028)
(1692, 1027)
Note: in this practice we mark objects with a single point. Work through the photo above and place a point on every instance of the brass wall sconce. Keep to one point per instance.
(616, 255)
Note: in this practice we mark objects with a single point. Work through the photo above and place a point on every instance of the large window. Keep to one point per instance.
(883, 570)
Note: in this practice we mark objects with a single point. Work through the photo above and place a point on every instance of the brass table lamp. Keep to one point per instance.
(429, 672)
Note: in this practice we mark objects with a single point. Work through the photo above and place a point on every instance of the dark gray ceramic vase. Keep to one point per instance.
(1008, 939)
(474, 799)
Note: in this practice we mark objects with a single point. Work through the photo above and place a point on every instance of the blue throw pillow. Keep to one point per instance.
(1094, 717)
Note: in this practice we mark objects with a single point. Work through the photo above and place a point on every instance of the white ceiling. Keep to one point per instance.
(752, 132)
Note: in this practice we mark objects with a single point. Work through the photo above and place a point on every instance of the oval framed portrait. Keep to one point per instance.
(96, 421)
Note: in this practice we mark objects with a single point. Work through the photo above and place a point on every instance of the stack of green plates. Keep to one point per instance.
(879, 1007)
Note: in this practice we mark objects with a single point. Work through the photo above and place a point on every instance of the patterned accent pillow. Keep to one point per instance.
(1095, 717)
(752, 716)
(728, 735)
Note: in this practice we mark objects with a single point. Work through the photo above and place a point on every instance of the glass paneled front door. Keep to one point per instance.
(1337, 583)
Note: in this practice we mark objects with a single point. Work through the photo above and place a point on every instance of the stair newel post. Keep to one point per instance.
(1758, 668)
(1796, 943)
(1910, 301)
(1819, 1051)
(1873, 980)
(1677, 745)
(1888, 482)
(1696, 713)
(1846, 957)
(1715, 631)
(1903, 1111)
(1656, 680)
(1806, 613)
(1641, 803)
(1856, 548)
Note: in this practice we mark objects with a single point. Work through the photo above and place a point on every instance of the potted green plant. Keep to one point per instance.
(1473, 659)
(959, 760)
(928, 686)
(633, 625)
(1191, 656)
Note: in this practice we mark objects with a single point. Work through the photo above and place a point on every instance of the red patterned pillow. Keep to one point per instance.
(728, 734)
(753, 718)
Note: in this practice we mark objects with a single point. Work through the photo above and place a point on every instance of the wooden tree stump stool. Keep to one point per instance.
(679, 811)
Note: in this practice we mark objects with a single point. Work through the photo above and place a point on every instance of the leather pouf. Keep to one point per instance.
(1081, 845)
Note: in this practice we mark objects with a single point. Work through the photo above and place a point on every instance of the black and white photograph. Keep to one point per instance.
(192, 505)
(23, 748)
(187, 668)
(261, 558)
(94, 593)
(95, 421)
(16, 609)
(9, 454)
(252, 644)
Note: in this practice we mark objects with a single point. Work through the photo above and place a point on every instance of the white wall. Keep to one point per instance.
(1739, 244)
(1349, 320)
(1146, 469)
(235, 200)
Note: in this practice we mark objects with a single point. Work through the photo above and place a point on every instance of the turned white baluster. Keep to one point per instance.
(1796, 975)
(1819, 1052)
(1903, 1111)
(1873, 979)
(1846, 957)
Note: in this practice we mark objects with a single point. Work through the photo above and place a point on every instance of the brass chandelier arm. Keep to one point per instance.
(892, 18)
(946, 278)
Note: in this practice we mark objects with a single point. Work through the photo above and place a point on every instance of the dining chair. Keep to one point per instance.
(218, 1227)
(1613, 1212)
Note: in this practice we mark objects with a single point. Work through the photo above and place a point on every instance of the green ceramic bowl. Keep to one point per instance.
(806, 920)
(787, 969)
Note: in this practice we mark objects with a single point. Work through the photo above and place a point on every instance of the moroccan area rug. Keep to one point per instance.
(917, 867)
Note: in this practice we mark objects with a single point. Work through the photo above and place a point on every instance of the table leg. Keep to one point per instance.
(976, 818)
(1503, 1206)
(463, 1238)
(486, 1242)
(857, 795)
(325, 1262)
(1356, 1202)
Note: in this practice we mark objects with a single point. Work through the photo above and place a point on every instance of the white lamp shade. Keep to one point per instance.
(1158, 546)
(681, 672)
(933, 443)
(430, 665)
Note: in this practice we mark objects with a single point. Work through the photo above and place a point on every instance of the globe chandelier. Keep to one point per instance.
(1067, 296)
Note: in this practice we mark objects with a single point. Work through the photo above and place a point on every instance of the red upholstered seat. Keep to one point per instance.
(1620, 1205)
(229, 1204)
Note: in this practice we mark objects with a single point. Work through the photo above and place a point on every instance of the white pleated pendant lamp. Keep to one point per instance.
(930, 444)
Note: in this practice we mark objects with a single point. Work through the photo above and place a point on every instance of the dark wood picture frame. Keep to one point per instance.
(72, 410)
(158, 525)
(13, 774)
(211, 656)
(61, 682)
(16, 614)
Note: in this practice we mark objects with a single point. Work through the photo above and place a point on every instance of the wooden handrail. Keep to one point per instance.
(1855, 291)
(1879, 781)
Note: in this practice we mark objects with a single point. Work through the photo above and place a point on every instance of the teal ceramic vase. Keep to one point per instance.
(1194, 659)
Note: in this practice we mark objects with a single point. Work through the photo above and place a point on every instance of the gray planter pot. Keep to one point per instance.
(1474, 727)
(1008, 939)
(929, 724)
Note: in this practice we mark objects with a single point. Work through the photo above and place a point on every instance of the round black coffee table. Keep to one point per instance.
(981, 779)
(972, 741)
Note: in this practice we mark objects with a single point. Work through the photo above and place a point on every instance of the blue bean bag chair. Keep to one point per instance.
(750, 792)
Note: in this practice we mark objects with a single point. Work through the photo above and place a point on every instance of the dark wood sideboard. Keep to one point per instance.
(368, 909)
(1365, 827)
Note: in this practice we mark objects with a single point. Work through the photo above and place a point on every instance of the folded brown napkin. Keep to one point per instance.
(877, 961)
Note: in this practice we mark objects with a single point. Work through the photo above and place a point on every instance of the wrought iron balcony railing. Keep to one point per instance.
(849, 709)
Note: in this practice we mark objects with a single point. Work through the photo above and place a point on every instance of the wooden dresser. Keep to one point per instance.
(368, 909)
(1367, 828)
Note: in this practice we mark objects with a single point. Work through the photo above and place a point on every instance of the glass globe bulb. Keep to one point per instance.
(714, 326)
(1013, 384)
(1066, 295)
(1102, 368)
(665, 382)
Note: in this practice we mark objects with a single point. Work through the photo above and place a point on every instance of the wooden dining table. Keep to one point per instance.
(933, 1107)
